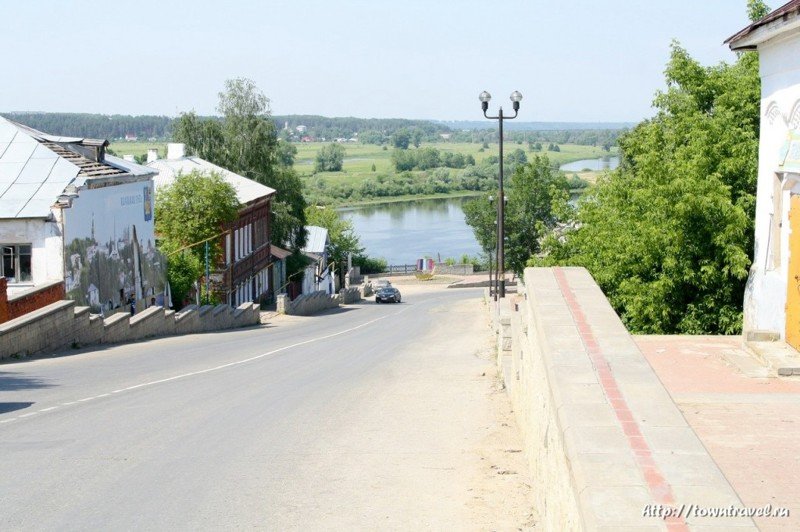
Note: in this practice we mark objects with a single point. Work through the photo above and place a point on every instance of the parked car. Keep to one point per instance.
(387, 294)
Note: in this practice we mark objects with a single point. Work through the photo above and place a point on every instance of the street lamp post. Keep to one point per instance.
(516, 97)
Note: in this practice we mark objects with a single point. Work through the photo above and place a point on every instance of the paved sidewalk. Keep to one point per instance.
(629, 452)
(750, 426)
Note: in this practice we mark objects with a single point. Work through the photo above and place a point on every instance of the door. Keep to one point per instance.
(793, 281)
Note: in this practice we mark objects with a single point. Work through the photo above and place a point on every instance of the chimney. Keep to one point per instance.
(128, 157)
(152, 155)
(176, 150)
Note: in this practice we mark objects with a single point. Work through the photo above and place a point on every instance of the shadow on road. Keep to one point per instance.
(15, 381)
(11, 407)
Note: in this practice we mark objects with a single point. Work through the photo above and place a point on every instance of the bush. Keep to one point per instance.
(576, 182)
(369, 265)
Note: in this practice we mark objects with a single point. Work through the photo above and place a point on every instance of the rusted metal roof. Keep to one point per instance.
(279, 253)
(88, 167)
(783, 12)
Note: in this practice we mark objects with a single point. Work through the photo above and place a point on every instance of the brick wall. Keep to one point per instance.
(28, 300)
(3, 300)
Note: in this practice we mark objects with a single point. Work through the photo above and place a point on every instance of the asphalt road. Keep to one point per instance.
(363, 417)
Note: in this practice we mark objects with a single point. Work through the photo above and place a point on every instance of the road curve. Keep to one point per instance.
(370, 416)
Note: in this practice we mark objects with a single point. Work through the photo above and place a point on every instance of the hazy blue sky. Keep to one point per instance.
(573, 60)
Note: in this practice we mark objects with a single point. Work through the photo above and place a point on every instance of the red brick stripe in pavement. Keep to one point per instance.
(656, 483)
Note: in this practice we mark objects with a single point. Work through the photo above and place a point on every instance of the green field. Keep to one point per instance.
(137, 148)
(359, 159)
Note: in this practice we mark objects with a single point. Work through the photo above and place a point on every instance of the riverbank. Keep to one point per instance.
(407, 198)
(401, 232)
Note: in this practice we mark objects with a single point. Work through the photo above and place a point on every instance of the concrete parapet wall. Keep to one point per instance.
(350, 295)
(308, 304)
(39, 331)
(62, 324)
(602, 436)
(454, 269)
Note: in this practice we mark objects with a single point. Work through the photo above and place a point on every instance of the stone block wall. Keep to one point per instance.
(62, 325)
(602, 436)
(350, 295)
(308, 304)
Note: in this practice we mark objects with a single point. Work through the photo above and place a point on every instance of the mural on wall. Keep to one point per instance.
(110, 251)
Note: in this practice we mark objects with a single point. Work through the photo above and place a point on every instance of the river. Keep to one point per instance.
(595, 165)
(403, 232)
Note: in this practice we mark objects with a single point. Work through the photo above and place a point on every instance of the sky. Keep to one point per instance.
(573, 60)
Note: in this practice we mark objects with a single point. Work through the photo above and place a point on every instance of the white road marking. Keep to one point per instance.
(215, 368)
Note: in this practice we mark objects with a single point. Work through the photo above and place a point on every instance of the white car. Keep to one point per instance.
(380, 283)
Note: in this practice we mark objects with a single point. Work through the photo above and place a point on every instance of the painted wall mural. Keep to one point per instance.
(110, 251)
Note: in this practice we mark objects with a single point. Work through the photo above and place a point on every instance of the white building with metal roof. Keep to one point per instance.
(317, 274)
(71, 212)
(772, 294)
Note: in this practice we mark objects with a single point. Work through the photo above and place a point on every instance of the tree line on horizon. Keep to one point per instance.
(378, 131)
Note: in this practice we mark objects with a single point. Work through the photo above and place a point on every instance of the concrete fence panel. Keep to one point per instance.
(61, 325)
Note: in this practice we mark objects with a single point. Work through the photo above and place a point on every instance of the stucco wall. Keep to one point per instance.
(765, 296)
(46, 250)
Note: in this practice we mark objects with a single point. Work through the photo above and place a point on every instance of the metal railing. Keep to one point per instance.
(401, 269)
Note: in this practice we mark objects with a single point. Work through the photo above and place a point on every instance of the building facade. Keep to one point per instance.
(70, 212)
(772, 296)
(317, 275)
(243, 273)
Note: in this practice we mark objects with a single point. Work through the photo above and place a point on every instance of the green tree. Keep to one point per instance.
(401, 139)
(371, 137)
(416, 137)
(183, 270)
(538, 199)
(195, 207)
(343, 238)
(427, 158)
(245, 141)
(756, 10)
(403, 160)
(286, 153)
(669, 235)
(481, 215)
(516, 157)
(329, 158)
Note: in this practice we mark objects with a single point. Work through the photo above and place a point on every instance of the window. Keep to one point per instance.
(16, 262)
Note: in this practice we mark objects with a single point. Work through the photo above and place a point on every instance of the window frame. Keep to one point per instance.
(16, 257)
